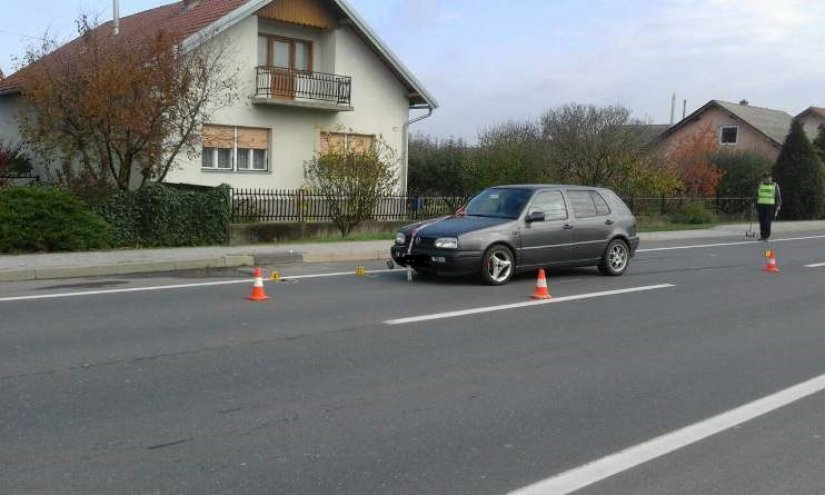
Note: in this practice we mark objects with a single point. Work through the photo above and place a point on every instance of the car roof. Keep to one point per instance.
(542, 186)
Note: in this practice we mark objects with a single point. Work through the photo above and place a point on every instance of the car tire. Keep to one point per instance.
(615, 258)
(498, 265)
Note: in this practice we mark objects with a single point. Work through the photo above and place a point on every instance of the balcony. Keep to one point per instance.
(300, 88)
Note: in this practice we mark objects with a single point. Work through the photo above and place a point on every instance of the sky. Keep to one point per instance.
(487, 62)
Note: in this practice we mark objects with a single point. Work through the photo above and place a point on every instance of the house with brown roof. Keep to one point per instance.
(311, 73)
(811, 118)
(737, 127)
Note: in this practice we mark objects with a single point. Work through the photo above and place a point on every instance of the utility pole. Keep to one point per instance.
(116, 16)
(672, 108)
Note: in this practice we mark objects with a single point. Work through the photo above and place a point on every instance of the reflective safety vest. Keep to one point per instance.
(766, 194)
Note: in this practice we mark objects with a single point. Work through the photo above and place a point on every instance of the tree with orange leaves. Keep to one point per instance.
(116, 110)
(692, 159)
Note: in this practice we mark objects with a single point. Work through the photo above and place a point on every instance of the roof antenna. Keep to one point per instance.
(672, 107)
(116, 15)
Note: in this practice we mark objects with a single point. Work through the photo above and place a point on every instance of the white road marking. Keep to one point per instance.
(120, 291)
(489, 309)
(723, 244)
(339, 274)
(169, 287)
(588, 474)
(815, 265)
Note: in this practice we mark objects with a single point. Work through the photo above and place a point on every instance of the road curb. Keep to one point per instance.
(229, 261)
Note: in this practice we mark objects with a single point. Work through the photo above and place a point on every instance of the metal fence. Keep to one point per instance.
(298, 205)
(275, 82)
(724, 208)
(19, 180)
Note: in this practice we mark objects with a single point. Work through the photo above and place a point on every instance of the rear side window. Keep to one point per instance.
(582, 203)
(602, 209)
(551, 203)
(587, 204)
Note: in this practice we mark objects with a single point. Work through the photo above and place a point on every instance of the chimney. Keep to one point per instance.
(188, 4)
(672, 108)
(116, 17)
(744, 103)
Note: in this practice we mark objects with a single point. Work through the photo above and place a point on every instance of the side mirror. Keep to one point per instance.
(536, 216)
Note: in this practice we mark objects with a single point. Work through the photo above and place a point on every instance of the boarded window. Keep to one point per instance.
(337, 142)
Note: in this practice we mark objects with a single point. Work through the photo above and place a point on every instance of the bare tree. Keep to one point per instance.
(513, 152)
(111, 106)
(597, 146)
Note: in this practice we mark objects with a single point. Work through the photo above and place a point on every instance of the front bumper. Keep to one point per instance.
(438, 260)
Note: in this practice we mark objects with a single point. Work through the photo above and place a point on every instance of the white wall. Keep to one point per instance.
(9, 130)
(378, 98)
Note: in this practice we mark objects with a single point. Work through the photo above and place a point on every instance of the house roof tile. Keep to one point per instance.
(173, 18)
(774, 124)
(183, 23)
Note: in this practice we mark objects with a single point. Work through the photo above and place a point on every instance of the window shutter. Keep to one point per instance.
(360, 143)
(256, 139)
(214, 136)
(333, 142)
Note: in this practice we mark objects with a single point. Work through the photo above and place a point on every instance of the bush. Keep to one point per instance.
(743, 171)
(798, 171)
(163, 215)
(693, 214)
(48, 219)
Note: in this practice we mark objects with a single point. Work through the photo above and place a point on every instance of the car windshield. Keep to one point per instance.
(499, 203)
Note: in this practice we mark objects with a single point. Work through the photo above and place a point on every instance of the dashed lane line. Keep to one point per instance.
(588, 474)
(502, 307)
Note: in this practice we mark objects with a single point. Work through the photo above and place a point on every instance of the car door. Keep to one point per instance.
(548, 241)
(593, 225)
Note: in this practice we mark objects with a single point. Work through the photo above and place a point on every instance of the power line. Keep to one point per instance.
(23, 35)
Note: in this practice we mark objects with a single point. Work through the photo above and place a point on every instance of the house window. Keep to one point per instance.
(287, 53)
(729, 134)
(240, 149)
(336, 142)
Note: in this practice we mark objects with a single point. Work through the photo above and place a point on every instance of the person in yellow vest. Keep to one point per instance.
(768, 203)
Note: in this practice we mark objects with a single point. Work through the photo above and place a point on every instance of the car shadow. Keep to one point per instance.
(475, 280)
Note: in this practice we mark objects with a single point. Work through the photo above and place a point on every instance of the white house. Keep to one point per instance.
(310, 72)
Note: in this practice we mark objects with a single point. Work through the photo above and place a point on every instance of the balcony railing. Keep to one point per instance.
(290, 84)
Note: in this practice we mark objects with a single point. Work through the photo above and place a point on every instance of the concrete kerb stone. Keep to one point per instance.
(229, 261)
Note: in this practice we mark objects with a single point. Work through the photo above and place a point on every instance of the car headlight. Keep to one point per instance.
(400, 238)
(446, 243)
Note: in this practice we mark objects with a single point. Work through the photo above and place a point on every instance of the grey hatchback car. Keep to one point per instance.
(506, 229)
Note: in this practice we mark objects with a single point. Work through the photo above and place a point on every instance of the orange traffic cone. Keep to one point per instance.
(541, 291)
(770, 266)
(258, 293)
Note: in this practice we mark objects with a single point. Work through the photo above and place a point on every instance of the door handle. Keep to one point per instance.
(608, 222)
(567, 226)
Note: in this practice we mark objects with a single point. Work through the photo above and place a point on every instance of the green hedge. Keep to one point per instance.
(694, 214)
(36, 219)
(163, 215)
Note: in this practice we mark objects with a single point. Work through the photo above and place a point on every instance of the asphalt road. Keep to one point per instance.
(323, 390)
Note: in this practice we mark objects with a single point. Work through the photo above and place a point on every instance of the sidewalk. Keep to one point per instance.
(132, 261)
